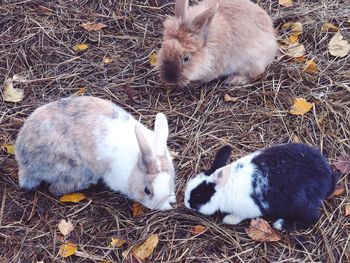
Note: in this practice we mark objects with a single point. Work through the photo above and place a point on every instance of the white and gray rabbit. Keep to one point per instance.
(73, 142)
(284, 183)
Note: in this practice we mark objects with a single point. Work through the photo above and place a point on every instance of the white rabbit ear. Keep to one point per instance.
(201, 23)
(161, 131)
(222, 176)
(147, 155)
(181, 8)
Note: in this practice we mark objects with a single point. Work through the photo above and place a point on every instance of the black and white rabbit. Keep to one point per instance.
(285, 183)
(73, 142)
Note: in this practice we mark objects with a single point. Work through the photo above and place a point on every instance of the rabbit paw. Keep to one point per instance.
(232, 219)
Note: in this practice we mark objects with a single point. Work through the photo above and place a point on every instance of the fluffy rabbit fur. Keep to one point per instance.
(216, 38)
(284, 183)
(72, 143)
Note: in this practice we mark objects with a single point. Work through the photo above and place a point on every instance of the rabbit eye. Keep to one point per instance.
(186, 58)
(147, 191)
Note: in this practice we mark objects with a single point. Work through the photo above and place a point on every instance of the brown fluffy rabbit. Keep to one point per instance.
(216, 38)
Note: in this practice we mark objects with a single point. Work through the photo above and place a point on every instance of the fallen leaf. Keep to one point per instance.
(229, 98)
(93, 26)
(137, 209)
(130, 258)
(295, 50)
(295, 138)
(286, 3)
(80, 92)
(9, 148)
(117, 242)
(10, 93)
(287, 25)
(339, 189)
(68, 249)
(311, 67)
(153, 59)
(338, 46)
(72, 198)
(347, 210)
(146, 249)
(198, 229)
(300, 106)
(80, 47)
(329, 27)
(107, 60)
(293, 38)
(342, 163)
(300, 59)
(296, 28)
(65, 227)
(261, 231)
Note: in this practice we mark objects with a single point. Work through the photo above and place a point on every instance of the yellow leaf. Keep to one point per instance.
(347, 210)
(107, 60)
(300, 107)
(68, 249)
(92, 26)
(293, 38)
(286, 3)
(153, 59)
(287, 25)
(146, 249)
(311, 67)
(229, 98)
(296, 28)
(137, 209)
(329, 27)
(9, 148)
(117, 242)
(338, 46)
(10, 93)
(261, 231)
(296, 50)
(65, 227)
(72, 198)
(80, 47)
(80, 92)
(198, 229)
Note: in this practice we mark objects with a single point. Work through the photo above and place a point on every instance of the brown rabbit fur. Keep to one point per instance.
(216, 38)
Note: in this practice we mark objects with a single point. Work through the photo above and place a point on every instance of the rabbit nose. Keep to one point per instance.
(170, 71)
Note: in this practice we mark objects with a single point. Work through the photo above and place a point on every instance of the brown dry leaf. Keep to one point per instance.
(300, 106)
(93, 26)
(293, 38)
(329, 27)
(107, 60)
(72, 198)
(261, 231)
(117, 242)
(347, 210)
(80, 47)
(297, 28)
(80, 92)
(198, 229)
(311, 67)
(229, 98)
(286, 3)
(339, 189)
(65, 226)
(9, 148)
(342, 163)
(137, 209)
(300, 59)
(295, 50)
(153, 59)
(146, 249)
(68, 249)
(10, 93)
(338, 46)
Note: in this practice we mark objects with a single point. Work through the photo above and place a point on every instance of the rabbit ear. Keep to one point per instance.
(222, 176)
(201, 23)
(181, 8)
(161, 131)
(147, 155)
(220, 159)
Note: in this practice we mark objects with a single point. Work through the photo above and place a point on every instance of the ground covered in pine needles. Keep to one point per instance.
(36, 40)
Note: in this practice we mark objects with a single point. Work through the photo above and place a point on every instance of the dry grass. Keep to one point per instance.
(38, 41)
